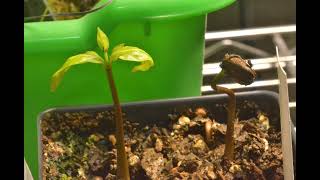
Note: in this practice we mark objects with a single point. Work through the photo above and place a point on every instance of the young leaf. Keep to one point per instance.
(102, 40)
(88, 57)
(129, 53)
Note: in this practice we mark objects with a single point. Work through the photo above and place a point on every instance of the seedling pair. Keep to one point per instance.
(232, 65)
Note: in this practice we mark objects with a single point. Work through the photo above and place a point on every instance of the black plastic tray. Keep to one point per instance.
(156, 112)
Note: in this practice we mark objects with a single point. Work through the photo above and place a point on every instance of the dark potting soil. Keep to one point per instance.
(82, 146)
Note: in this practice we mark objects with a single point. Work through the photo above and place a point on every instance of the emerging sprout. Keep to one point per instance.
(240, 71)
(119, 52)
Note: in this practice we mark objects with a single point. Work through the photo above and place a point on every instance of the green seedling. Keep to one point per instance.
(119, 52)
(240, 71)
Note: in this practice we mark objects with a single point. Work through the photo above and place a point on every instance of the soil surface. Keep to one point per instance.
(82, 146)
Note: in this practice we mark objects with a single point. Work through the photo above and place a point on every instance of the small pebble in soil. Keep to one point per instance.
(176, 126)
(201, 112)
(146, 128)
(134, 160)
(158, 145)
(235, 168)
(264, 121)
(112, 139)
(211, 175)
(200, 147)
(183, 120)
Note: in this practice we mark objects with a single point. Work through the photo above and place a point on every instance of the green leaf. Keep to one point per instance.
(88, 57)
(102, 40)
(129, 53)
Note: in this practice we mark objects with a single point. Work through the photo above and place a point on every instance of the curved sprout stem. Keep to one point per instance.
(229, 149)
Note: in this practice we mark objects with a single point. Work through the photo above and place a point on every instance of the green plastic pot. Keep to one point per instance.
(172, 32)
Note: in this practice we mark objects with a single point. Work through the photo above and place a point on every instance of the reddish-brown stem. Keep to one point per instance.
(122, 162)
(229, 149)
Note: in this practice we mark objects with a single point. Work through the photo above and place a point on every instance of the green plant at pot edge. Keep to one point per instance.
(119, 52)
(241, 71)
